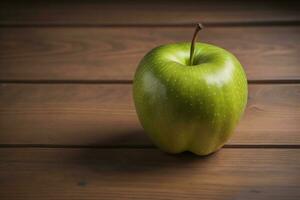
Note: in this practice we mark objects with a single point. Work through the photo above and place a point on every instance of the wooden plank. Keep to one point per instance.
(145, 12)
(267, 53)
(104, 115)
(148, 174)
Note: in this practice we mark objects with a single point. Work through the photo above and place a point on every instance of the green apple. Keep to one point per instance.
(189, 96)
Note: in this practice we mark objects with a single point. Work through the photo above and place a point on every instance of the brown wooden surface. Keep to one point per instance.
(68, 128)
(267, 53)
(146, 12)
(29, 173)
(104, 115)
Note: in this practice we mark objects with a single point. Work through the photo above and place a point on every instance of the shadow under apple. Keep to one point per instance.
(131, 152)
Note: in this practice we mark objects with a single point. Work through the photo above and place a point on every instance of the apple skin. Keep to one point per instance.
(186, 107)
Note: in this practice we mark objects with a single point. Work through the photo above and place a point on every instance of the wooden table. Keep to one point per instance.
(68, 127)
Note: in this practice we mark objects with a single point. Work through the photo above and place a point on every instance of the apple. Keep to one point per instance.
(189, 96)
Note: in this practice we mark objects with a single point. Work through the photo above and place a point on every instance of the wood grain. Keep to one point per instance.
(145, 12)
(104, 115)
(267, 53)
(148, 174)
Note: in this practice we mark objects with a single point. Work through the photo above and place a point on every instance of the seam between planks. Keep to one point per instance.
(228, 146)
(11, 81)
(142, 25)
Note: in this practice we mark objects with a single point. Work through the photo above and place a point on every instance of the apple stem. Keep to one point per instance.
(198, 28)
